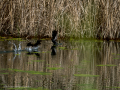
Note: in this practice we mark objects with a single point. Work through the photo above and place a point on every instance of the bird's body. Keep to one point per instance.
(54, 37)
(33, 47)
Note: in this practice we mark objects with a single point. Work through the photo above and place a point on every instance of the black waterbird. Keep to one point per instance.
(33, 47)
(54, 37)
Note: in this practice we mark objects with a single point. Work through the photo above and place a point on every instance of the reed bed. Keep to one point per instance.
(71, 18)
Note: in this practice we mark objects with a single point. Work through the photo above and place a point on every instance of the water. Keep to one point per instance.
(72, 65)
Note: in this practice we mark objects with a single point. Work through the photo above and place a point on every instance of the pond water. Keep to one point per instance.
(72, 65)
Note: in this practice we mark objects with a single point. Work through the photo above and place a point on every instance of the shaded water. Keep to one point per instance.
(76, 65)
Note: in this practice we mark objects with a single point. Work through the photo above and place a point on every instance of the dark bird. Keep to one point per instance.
(33, 47)
(54, 37)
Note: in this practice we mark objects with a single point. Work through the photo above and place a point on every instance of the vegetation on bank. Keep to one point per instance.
(71, 18)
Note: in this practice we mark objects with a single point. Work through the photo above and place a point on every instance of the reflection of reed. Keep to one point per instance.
(77, 58)
(58, 79)
(109, 75)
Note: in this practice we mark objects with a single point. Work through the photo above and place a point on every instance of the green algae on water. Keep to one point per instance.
(17, 54)
(85, 75)
(112, 87)
(116, 58)
(31, 72)
(38, 60)
(54, 68)
(4, 73)
(62, 48)
(107, 65)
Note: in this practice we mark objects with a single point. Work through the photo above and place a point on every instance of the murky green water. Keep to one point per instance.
(72, 65)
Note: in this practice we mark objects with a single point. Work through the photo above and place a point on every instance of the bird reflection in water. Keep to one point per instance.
(33, 48)
(54, 40)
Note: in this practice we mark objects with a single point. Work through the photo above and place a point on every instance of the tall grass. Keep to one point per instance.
(74, 18)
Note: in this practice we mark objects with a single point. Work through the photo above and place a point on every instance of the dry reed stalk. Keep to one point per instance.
(109, 20)
(77, 18)
(25, 18)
